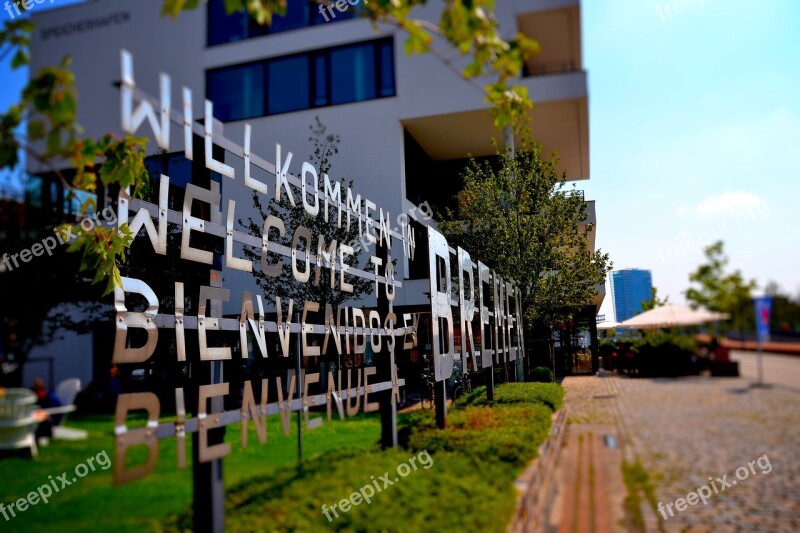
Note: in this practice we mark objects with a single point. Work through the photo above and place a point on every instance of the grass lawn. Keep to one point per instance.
(93, 504)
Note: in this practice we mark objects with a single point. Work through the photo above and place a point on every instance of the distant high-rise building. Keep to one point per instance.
(630, 287)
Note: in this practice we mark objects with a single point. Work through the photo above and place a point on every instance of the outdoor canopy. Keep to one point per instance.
(671, 316)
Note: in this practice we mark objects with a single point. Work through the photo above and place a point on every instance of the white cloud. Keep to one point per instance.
(731, 203)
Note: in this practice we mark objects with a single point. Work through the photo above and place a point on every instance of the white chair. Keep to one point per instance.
(17, 421)
(66, 391)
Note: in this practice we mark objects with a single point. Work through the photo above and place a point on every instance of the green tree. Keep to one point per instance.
(718, 290)
(522, 220)
(785, 314)
(319, 290)
(654, 301)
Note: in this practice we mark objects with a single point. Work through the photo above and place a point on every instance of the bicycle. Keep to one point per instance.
(463, 384)
(429, 400)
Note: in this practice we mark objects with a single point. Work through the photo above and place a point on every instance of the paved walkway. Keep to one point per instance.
(589, 486)
(685, 431)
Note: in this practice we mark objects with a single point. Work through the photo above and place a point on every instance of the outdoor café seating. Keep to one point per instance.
(19, 417)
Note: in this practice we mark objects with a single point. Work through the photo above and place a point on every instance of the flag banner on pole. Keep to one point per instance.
(763, 309)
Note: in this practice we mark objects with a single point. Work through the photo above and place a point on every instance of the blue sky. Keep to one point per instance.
(694, 134)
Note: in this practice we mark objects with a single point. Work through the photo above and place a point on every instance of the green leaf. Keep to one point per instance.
(36, 129)
(20, 59)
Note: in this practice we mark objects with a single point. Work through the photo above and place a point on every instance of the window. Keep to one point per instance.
(237, 92)
(223, 28)
(321, 80)
(340, 75)
(352, 74)
(386, 87)
(288, 84)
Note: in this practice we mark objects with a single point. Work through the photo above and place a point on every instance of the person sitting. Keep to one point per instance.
(45, 399)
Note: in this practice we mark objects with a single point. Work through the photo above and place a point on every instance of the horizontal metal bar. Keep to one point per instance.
(167, 321)
(227, 418)
(230, 146)
(218, 230)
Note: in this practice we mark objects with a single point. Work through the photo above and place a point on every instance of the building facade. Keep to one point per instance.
(407, 123)
(630, 287)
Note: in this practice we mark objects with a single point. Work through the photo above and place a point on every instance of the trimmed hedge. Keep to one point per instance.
(507, 434)
(549, 394)
(541, 374)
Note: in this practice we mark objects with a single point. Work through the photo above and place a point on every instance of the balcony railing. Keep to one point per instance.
(574, 192)
(553, 67)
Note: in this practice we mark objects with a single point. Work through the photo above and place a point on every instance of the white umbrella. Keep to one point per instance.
(607, 324)
(672, 315)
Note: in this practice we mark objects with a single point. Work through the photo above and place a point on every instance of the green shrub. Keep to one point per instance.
(606, 347)
(440, 498)
(665, 354)
(549, 394)
(508, 434)
(541, 374)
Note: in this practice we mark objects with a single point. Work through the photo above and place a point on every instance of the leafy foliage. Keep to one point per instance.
(542, 374)
(654, 301)
(549, 394)
(665, 353)
(718, 290)
(509, 434)
(785, 314)
(519, 215)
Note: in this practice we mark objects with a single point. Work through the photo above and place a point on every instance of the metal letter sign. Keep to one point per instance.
(138, 109)
(351, 328)
(497, 322)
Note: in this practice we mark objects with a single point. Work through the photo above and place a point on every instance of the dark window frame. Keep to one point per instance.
(351, 13)
(313, 56)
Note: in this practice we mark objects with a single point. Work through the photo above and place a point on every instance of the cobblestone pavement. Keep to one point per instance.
(687, 430)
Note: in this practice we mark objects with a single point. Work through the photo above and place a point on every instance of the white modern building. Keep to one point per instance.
(406, 123)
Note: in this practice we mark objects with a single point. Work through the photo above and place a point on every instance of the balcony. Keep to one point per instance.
(558, 32)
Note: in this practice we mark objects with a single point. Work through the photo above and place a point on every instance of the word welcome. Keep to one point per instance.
(703, 493)
(44, 492)
(340, 5)
(27, 5)
(366, 492)
(48, 244)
